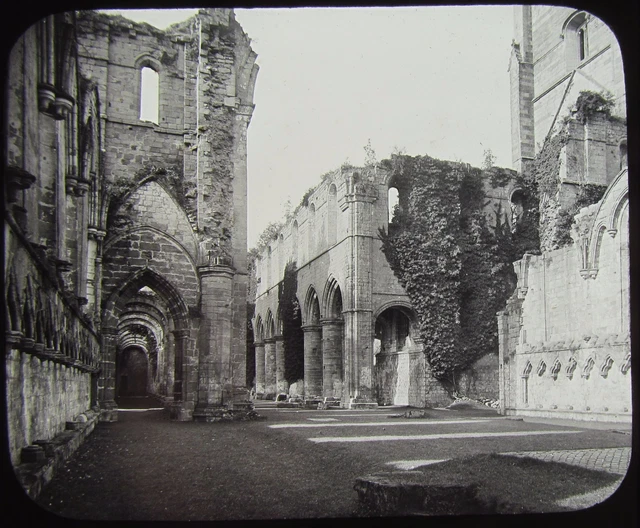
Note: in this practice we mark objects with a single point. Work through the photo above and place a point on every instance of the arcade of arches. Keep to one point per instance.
(361, 342)
(126, 220)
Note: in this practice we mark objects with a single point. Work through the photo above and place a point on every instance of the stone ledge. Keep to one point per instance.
(34, 476)
(223, 414)
(363, 405)
(288, 405)
(413, 493)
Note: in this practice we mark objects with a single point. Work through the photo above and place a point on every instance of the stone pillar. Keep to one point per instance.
(332, 357)
(181, 401)
(107, 381)
(312, 360)
(270, 366)
(214, 340)
(281, 383)
(260, 372)
(169, 367)
(521, 86)
(357, 204)
(503, 352)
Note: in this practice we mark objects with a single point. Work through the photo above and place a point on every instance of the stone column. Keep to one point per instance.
(312, 360)
(357, 204)
(184, 379)
(281, 383)
(521, 80)
(503, 352)
(107, 381)
(260, 373)
(214, 340)
(169, 367)
(270, 366)
(332, 357)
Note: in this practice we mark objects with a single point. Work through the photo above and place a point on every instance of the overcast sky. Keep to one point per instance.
(430, 80)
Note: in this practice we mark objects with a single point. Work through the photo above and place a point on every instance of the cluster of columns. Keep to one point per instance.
(270, 377)
(323, 358)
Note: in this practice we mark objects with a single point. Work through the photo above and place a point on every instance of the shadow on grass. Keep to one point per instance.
(510, 484)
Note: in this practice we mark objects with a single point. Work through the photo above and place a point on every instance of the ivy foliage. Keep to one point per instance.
(542, 174)
(455, 266)
(590, 103)
(291, 317)
(588, 193)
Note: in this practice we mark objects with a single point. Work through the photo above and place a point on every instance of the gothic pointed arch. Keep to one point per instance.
(259, 329)
(149, 202)
(270, 328)
(146, 277)
(311, 307)
(332, 300)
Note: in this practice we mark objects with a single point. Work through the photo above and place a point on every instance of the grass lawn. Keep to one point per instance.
(509, 484)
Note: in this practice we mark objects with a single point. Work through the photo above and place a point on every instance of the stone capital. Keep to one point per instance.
(180, 333)
(332, 321)
(95, 233)
(17, 179)
(259, 343)
(215, 271)
(269, 340)
(311, 328)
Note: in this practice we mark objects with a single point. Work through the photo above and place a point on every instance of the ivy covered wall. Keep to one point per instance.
(452, 252)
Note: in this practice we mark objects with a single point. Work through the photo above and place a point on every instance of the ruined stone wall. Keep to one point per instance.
(52, 352)
(36, 389)
(344, 247)
(572, 355)
(177, 188)
(481, 380)
(52, 348)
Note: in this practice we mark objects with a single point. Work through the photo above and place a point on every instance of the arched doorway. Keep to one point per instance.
(145, 336)
(395, 350)
(132, 374)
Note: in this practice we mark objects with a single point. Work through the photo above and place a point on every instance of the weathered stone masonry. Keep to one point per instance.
(361, 341)
(565, 333)
(125, 261)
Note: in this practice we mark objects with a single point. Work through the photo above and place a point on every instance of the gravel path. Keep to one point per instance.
(156, 469)
(613, 460)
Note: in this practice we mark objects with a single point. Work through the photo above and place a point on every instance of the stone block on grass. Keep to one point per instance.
(413, 492)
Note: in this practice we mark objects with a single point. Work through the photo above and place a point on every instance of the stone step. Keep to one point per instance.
(363, 405)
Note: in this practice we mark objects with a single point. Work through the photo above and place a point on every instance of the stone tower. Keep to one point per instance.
(126, 228)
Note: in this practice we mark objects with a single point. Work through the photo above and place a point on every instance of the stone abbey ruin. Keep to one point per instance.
(126, 267)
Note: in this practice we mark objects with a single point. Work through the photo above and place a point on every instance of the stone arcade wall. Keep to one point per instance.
(123, 234)
(565, 348)
(181, 183)
(333, 238)
(52, 353)
(52, 349)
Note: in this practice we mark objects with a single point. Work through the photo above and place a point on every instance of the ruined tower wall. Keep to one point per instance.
(564, 335)
(574, 315)
(178, 184)
(101, 204)
(549, 70)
